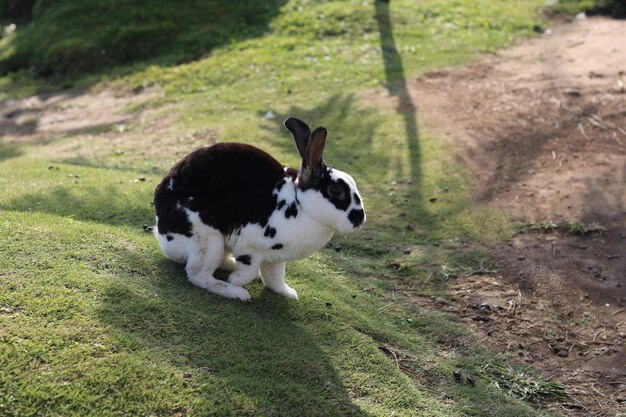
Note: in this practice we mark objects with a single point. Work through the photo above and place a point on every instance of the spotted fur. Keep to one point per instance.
(234, 206)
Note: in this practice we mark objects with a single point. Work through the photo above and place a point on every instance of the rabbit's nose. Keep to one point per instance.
(356, 217)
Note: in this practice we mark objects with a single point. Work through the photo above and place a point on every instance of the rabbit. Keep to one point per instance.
(233, 206)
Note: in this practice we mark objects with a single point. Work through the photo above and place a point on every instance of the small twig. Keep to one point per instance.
(594, 118)
(596, 335)
(596, 391)
(572, 406)
(596, 123)
(582, 130)
(385, 306)
(602, 343)
(571, 348)
(617, 312)
(395, 357)
(481, 271)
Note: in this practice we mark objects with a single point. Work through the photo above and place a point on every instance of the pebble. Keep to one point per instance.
(457, 375)
(560, 351)
(482, 319)
(572, 405)
(572, 92)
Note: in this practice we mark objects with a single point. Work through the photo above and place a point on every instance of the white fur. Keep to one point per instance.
(208, 250)
(324, 211)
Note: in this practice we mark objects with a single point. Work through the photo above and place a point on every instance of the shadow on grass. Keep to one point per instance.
(397, 86)
(9, 152)
(105, 205)
(352, 129)
(350, 133)
(261, 357)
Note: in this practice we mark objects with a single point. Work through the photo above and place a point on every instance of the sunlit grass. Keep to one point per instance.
(93, 317)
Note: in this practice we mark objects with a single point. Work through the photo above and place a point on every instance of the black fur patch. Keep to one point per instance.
(341, 201)
(356, 199)
(169, 238)
(356, 217)
(172, 219)
(269, 232)
(279, 186)
(277, 246)
(230, 185)
(292, 211)
(189, 234)
(244, 259)
(281, 204)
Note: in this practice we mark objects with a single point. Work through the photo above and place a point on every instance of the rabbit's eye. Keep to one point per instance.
(336, 191)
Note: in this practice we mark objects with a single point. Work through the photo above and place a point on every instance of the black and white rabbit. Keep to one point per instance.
(232, 198)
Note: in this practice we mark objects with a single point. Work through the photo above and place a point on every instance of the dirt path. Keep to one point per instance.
(543, 125)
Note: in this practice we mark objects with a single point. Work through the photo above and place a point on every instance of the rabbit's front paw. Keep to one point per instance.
(288, 292)
(239, 293)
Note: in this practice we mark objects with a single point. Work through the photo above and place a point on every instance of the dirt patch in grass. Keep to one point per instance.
(543, 126)
(101, 128)
(39, 118)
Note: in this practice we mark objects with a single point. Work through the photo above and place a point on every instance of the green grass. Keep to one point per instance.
(109, 32)
(520, 382)
(95, 321)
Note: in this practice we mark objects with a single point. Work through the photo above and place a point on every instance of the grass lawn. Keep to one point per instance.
(95, 321)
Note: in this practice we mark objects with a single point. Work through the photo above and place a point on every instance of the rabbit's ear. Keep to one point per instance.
(313, 165)
(315, 150)
(301, 133)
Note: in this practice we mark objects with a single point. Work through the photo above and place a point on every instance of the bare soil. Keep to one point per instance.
(543, 126)
(41, 117)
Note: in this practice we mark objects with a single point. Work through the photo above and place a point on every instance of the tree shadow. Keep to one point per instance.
(350, 132)
(105, 205)
(396, 85)
(9, 152)
(21, 118)
(352, 128)
(260, 350)
(80, 38)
